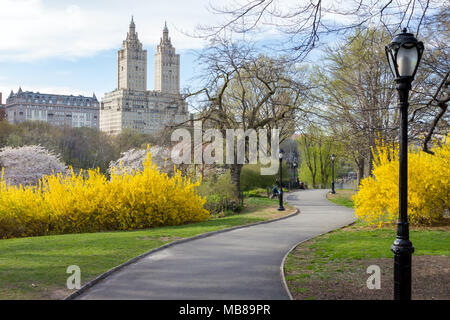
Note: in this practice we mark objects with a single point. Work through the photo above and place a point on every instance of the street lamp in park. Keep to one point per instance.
(295, 165)
(403, 54)
(333, 158)
(280, 155)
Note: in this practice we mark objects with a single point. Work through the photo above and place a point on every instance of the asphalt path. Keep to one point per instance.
(238, 264)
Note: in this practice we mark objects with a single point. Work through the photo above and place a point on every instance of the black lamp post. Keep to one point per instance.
(295, 173)
(333, 157)
(403, 54)
(280, 155)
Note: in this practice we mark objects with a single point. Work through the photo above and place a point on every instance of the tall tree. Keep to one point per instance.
(316, 146)
(355, 86)
(303, 26)
(430, 116)
(243, 90)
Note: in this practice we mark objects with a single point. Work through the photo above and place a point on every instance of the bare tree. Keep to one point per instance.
(243, 90)
(307, 25)
(430, 108)
(354, 91)
(308, 22)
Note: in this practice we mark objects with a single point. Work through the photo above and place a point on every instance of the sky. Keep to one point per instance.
(70, 47)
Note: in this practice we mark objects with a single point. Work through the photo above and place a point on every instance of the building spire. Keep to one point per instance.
(132, 26)
(165, 33)
(132, 35)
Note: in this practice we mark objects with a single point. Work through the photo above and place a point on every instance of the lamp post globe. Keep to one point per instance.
(403, 54)
(280, 156)
(333, 157)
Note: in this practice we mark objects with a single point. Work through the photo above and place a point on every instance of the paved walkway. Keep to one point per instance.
(239, 264)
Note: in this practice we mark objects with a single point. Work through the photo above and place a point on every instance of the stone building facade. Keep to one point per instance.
(57, 110)
(131, 105)
(132, 63)
(2, 109)
(167, 66)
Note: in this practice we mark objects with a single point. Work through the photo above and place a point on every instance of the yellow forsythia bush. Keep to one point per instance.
(89, 202)
(377, 201)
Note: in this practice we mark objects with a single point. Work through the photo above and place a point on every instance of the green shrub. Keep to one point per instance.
(219, 194)
(73, 203)
(428, 186)
(251, 177)
(256, 193)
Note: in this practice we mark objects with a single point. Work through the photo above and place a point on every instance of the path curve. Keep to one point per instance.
(238, 264)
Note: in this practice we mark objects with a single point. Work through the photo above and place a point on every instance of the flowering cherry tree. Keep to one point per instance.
(133, 159)
(26, 165)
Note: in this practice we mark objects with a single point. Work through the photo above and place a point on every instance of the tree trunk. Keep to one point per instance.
(314, 180)
(235, 172)
(360, 164)
(370, 163)
(371, 147)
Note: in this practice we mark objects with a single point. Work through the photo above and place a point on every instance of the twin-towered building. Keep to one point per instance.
(130, 105)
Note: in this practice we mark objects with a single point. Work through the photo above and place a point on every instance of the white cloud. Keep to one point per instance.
(33, 29)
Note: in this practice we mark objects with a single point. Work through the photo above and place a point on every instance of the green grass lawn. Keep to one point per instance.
(358, 242)
(35, 267)
(342, 251)
(342, 197)
(338, 259)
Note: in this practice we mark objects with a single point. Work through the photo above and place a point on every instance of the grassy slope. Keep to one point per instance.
(342, 197)
(35, 267)
(354, 243)
(362, 241)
